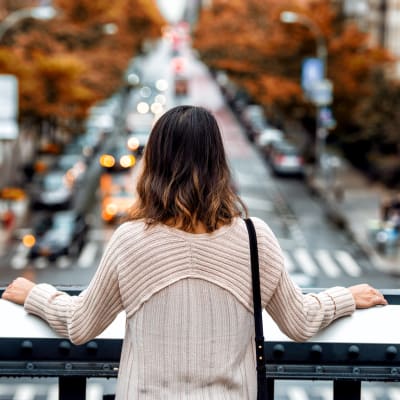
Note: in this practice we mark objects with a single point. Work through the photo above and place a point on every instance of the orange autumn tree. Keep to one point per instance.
(241, 38)
(263, 55)
(67, 64)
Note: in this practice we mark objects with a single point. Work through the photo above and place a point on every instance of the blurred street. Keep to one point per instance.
(319, 251)
(325, 236)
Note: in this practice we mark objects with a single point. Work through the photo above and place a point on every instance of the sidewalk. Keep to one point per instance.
(355, 209)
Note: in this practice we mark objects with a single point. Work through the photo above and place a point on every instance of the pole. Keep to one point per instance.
(321, 52)
(321, 133)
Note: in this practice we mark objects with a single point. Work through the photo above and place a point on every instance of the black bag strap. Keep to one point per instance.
(259, 339)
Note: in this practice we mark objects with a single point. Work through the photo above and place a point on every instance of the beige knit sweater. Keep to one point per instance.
(188, 301)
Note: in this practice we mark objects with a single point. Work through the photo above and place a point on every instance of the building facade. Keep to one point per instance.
(381, 19)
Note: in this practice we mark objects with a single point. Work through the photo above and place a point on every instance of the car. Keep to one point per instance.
(74, 167)
(285, 158)
(65, 236)
(267, 137)
(254, 120)
(41, 224)
(118, 158)
(115, 206)
(117, 196)
(138, 140)
(52, 191)
(181, 84)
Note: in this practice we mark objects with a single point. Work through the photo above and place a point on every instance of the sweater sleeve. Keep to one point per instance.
(301, 316)
(297, 315)
(81, 318)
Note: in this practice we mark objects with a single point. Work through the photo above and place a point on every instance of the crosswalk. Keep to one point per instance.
(287, 390)
(306, 390)
(32, 391)
(331, 263)
(317, 262)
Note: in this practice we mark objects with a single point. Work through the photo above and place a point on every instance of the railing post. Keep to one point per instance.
(346, 390)
(270, 388)
(72, 388)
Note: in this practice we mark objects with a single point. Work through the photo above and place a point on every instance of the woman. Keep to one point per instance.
(180, 269)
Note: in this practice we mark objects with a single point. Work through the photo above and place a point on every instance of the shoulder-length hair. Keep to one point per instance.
(185, 178)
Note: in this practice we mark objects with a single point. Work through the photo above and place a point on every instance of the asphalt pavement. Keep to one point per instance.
(352, 201)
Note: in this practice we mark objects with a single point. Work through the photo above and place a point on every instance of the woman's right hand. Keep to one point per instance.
(366, 296)
(18, 290)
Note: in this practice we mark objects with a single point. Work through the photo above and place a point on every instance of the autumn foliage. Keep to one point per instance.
(66, 64)
(263, 55)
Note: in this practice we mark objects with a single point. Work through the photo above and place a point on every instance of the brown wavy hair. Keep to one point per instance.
(185, 178)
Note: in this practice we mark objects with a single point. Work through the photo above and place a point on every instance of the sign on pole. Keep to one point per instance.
(326, 117)
(8, 107)
(322, 92)
(312, 71)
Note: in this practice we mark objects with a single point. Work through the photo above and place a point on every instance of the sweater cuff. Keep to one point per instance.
(343, 301)
(36, 301)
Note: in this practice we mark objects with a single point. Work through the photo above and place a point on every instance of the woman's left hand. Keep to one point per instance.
(18, 290)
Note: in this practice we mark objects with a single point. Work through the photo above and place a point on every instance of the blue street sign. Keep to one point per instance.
(326, 118)
(312, 71)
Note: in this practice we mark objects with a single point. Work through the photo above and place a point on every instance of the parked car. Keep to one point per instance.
(52, 191)
(268, 136)
(65, 236)
(254, 120)
(285, 158)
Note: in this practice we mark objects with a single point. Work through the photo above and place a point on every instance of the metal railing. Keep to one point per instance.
(364, 347)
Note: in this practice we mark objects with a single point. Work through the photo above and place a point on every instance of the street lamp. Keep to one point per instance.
(40, 13)
(290, 17)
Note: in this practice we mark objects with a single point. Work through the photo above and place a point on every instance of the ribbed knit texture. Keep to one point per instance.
(188, 301)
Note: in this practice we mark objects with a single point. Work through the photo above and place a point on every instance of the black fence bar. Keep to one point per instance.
(346, 353)
(72, 388)
(270, 388)
(346, 390)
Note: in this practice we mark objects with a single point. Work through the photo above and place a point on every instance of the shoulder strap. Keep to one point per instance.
(259, 339)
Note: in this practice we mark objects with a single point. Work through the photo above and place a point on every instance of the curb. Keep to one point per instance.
(332, 212)
(339, 219)
(386, 263)
(334, 215)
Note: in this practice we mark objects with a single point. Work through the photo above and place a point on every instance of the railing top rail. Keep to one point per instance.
(392, 295)
(365, 346)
